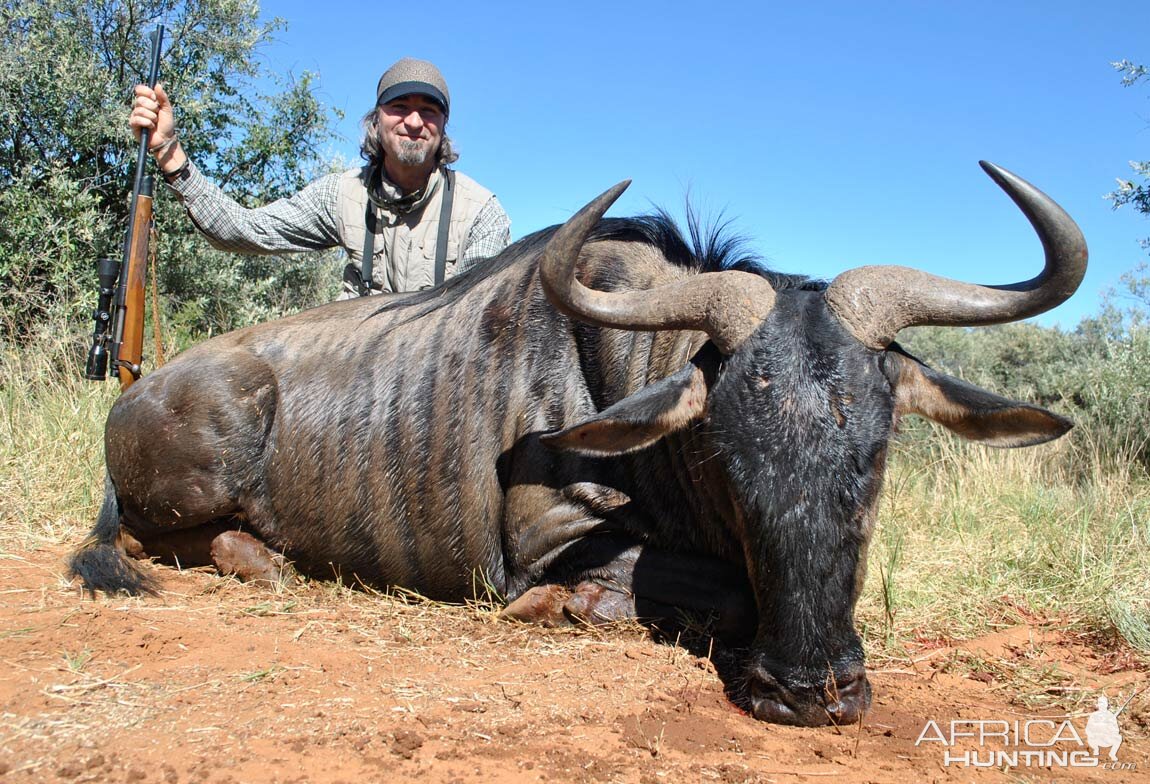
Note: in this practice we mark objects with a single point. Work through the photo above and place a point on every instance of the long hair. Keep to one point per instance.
(371, 149)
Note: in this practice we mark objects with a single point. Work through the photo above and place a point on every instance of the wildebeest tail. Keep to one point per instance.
(100, 562)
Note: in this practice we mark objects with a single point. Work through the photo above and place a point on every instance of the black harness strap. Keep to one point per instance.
(444, 225)
(365, 264)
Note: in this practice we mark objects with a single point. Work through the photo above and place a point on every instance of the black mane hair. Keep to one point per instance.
(710, 249)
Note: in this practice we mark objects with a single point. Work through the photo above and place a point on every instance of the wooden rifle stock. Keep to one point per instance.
(132, 278)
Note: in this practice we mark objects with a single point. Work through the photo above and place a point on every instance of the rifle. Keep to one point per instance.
(119, 331)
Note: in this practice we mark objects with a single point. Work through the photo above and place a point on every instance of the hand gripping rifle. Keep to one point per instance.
(119, 313)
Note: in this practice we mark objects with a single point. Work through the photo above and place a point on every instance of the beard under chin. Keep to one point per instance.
(411, 153)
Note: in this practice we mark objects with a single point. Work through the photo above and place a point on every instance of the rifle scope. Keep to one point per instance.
(108, 271)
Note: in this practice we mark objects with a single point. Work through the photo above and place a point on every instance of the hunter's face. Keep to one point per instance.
(411, 129)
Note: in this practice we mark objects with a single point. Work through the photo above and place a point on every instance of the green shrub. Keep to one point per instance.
(51, 228)
(66, 158)
(1098, 378)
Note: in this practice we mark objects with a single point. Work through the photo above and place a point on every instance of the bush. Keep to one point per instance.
(1112, 398)
(1098, 378)
(50, 230)
(66, 158)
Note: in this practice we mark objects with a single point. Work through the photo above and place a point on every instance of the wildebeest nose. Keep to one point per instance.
(850, 700)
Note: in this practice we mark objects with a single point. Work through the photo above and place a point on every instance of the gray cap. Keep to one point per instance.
(413, 77)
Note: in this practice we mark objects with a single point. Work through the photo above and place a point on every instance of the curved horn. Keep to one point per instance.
(876, 302)
(728, 306)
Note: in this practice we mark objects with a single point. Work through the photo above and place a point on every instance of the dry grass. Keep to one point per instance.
(973, 540)
(51, 443)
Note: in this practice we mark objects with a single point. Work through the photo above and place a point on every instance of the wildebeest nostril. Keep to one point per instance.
(849, 699)
(841, 699)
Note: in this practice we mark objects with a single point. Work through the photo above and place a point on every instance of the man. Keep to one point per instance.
(413, 242)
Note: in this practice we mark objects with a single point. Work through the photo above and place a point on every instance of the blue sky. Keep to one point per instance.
(831, 134)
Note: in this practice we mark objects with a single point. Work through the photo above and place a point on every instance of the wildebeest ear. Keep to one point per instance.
(643, 418)
(967, 410)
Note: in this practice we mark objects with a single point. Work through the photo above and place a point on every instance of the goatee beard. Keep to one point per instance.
(411, 153)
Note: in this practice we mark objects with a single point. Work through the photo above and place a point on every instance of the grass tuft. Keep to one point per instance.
(970, 537)
(51, 442)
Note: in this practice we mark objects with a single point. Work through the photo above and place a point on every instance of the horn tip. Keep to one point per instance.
(994, 170)
(617, 190)
(1004, 178)
(608, 197)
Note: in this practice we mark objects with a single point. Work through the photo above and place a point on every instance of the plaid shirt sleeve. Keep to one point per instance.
(489, 234)
(305, 221)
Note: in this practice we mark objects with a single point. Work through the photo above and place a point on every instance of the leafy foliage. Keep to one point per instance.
(1129, 192)
(1098, 379)
(66, 156)
(1135, 284)
(50, 224)
(1114, 392)
(1023, 360)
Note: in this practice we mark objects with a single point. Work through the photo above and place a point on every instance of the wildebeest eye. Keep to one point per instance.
(763, 381)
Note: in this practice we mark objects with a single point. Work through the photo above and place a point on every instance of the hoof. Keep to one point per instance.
(594, 603)
(542, 604)
(242, 555)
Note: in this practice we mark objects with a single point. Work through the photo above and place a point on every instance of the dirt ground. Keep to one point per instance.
(217, 682)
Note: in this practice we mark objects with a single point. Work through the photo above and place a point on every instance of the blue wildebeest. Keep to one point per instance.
(606, 423)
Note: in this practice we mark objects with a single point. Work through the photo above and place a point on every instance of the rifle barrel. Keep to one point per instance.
(127, 337)
(145, 134)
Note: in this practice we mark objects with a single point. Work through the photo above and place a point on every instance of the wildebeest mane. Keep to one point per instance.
(711, 248)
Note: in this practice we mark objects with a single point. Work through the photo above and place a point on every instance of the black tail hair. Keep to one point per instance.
(100, 563)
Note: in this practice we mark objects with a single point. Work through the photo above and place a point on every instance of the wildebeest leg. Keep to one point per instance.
(246, 557)
(592, 602)
(541, 604)
(183, 548)
(614, 579)
(232, 552)
(595, 602)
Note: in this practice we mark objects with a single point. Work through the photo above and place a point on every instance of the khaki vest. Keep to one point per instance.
(404, 253)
